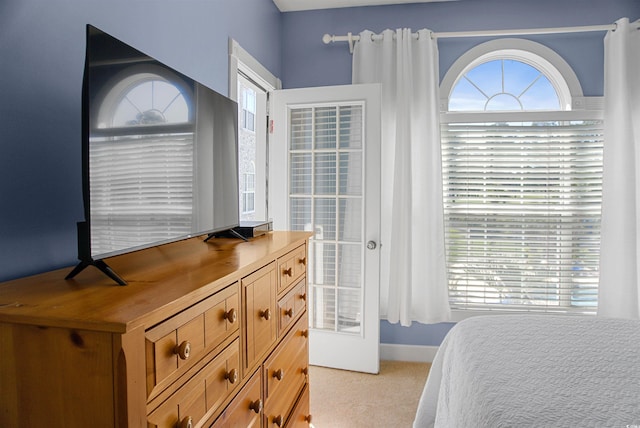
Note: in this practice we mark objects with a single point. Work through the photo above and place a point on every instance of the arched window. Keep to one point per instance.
(503, 85)
(522, 173)
(511, 75)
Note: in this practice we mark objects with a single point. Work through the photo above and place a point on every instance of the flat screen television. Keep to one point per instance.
(159, 155)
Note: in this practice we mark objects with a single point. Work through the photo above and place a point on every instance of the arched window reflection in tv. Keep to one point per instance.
(143, 98)
(141, 160)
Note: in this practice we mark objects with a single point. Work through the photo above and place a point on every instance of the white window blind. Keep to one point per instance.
(522, 214)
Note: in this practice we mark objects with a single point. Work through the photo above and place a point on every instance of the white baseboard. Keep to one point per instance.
(414, 353)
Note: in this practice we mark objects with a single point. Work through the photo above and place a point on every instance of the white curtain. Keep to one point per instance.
(619, 288)
(413, 267)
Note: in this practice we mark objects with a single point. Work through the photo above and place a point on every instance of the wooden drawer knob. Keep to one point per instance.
(303, 296)
(303, 261)
(308, 418)
(288, 312)
(186, 422)
(183, 350)
(231, 315)
(231, 376)
(278, 374)
(305, 371)
(304, 333)
(288, 272)
(278, 420)
(266, 314)
(256, 406)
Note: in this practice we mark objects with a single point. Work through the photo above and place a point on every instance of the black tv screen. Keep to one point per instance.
(160, 154)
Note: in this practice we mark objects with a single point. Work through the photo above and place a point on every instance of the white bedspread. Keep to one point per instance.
(535, 371)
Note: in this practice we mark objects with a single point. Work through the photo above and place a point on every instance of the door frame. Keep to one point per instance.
(242, 62)
(335, 349)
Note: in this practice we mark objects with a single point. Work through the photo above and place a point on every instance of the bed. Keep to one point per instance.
(535, 371)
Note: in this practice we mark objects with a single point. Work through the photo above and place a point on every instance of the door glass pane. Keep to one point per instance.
(301, 128)
(349, 311)
(349, 263)
(350, 173)
(350, 215)
(326, 197)
(325, 173)
(324, 309)
(324, 267)
(325, 218)
(300, 182)
(325, 125)
(351, 124)
(300, 213)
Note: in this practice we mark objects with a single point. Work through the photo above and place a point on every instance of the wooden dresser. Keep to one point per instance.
(205, 334)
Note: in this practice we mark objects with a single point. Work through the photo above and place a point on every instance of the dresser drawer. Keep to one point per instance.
(202, 394)
(280, 403)
(300, 416)
(291, 267)
(291, 306)
(222, 376)
(285, 372)
(246, 409)
(261, 319)
(175, 345)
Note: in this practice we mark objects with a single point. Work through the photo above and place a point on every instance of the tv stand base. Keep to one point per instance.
(101, 265)
(231, 233)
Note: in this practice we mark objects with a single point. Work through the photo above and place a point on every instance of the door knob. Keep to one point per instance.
(372, 245)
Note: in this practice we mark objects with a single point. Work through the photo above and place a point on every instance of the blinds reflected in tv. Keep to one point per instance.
(141, 190)
(522, 214)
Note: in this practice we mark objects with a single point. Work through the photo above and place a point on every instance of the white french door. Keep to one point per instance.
(324, 177)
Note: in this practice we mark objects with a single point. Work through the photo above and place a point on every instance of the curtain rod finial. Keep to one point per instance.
(327, 39)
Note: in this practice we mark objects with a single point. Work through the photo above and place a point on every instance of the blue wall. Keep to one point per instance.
(309, 62)
(41, 64)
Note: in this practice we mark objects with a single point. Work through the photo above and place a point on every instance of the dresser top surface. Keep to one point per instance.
(161, 281)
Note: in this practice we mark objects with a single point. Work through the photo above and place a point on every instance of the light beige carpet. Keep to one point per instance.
(344, 399)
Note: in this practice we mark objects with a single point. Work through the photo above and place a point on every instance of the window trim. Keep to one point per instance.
(241, 63)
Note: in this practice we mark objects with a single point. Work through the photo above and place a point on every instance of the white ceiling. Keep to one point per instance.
(294, 5)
